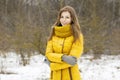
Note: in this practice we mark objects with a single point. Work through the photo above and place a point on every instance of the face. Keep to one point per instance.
(65, 18)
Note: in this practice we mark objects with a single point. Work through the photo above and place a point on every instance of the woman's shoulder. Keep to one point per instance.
(81, 35)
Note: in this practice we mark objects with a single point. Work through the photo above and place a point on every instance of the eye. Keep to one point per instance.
(67, 17)
(61, 17)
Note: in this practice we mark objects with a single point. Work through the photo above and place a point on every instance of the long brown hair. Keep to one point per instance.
(75, 27)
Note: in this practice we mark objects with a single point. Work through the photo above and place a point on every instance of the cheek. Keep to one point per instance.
(61, 20)
(69, 21)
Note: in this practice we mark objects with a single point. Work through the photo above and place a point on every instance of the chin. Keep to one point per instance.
(64, 24)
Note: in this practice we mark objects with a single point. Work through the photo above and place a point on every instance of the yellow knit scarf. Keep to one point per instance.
(63, 31)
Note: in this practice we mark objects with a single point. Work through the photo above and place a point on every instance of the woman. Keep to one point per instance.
(65, 46)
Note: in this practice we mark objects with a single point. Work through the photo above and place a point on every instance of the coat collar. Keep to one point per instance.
(63, 31)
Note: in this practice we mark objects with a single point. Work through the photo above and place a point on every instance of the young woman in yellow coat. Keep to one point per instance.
(65, 46)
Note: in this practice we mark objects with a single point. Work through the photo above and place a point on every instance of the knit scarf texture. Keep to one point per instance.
(63, 31)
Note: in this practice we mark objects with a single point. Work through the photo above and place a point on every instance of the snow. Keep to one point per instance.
(106, 68)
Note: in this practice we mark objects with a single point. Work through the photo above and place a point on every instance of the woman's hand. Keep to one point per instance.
(69, 59)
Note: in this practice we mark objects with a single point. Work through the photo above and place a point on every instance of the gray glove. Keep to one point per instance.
(47, 61)
(69, 59)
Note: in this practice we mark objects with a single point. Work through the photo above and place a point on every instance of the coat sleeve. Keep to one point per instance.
(77, 48)
(76, 51)
(52, 57)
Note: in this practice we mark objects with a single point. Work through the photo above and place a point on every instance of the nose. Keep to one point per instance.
(64, 19)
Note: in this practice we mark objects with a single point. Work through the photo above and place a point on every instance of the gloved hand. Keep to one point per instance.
(69, 59)
(47, 61)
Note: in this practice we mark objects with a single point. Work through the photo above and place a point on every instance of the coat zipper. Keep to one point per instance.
(69, 68)
(62, 52)
(63, 45)
(70, 73)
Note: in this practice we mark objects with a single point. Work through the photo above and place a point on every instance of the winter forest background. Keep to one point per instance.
(25, 25)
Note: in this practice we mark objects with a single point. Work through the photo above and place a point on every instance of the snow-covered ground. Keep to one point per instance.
(106, 68)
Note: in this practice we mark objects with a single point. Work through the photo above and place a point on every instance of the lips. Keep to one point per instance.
(63, 23)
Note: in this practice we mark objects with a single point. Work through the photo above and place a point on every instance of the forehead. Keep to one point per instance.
(65, 13)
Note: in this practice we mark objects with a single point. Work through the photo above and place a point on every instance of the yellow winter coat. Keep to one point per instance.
(60, 44)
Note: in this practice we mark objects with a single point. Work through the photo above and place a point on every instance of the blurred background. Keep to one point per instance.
(25, 25)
